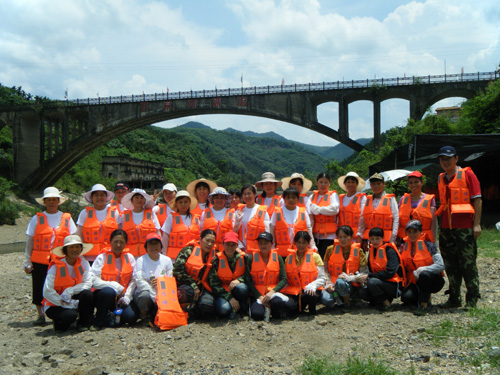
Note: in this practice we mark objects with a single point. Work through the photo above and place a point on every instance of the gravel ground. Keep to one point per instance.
(241, 346)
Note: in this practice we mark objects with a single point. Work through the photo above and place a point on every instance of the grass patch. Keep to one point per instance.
(489, 243)
(323, 365)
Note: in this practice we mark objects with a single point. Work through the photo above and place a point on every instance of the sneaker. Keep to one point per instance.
(420, 311)
(450, 304)
(40, 321)
(95, 328)
(82, 329)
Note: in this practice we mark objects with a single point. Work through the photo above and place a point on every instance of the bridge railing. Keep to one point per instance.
(319, 86)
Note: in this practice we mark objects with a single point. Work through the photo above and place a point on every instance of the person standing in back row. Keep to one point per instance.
(461, 207)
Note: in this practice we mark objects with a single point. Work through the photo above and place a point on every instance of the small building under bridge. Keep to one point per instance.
(135, 172)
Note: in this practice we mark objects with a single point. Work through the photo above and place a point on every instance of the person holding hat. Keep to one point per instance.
(148, 267)
(381, 210)
(424, 268)
(191, 271)
(250, 220)
(302, 184)
(113, 282)
(181, 226)
(45, 231)
(138, 220)
(121, 189)
(200, 189)
(461, 207)
(269, 184)
(417, 205)
(218, 217)
(162, 210)
(265, 276)
(226, 278)
(324, 207)
(95, 223)
(66, 291)
(352, 204)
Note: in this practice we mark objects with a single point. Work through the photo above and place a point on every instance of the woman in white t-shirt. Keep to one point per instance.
(352, 204)
(45, 231)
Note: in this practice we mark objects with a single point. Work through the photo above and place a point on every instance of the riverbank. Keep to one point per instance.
(10, 234)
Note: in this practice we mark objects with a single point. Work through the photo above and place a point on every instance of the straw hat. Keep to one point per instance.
(127, 199)
(180, 194)
(98, 187)
(72, 239)
(220, 191)
(190, 188)
(268, 177)
(51, 192)
(306, 183)
(361, 182)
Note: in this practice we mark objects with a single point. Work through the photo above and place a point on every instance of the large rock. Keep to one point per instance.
(32, 359)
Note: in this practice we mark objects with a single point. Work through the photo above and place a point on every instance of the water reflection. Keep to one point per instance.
(12, 247)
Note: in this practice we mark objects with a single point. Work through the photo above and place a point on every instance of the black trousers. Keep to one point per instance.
(427, 284)
(63, 318)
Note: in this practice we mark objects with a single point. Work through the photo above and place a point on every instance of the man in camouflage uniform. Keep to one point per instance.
(461, 206)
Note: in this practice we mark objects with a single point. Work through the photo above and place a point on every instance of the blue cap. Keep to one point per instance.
(447, 151)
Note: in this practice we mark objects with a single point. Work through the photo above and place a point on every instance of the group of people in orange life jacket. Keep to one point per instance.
(317, 218)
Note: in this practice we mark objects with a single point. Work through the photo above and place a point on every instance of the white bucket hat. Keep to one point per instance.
(361, 182)
(51, 192)
(127, 199)
(72, 239)
(220, 191)
(169, 187)
(268, 177)
(306, 183)
(184, 193)
(98, 187)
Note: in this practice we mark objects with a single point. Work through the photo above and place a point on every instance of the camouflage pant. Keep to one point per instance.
(459, 250)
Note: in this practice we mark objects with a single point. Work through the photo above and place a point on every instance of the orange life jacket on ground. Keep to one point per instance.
(337, 261)
(197, 268)
(137, 233)
(421, 258)
(275, 202)
(63, 280)
(97, 232)
(282, 236)
(378, 261)
(170, 314)
(380, 217)
(255, 226)
(323, 224)
(43, 237)
(298, 276)
(114, 205)
(265, 276)
(110, 272)
(422, 212)
(221, 228)
(351, 214)
(224, 272)
(458, 193)
(161, 214)
(181, 234)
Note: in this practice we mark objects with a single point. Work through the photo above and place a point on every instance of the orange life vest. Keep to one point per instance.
(298, 276)
(282, 236)
(197, 268)
(380, 217)
(170, 314)
(378, 261)
(180, 234)
(454, 197)
(422, 212)
(114, 205)
(110, 272)
(63, 279)
(196, 211)
(137, 233)
(42, 240)
(161, 214)
(336, 262)
(323, 224)
(219, 227)
(224, 272)
(255, 226)
(265, 276)
(275, 202)
(351, 214)
(421, 258)
(97, 232)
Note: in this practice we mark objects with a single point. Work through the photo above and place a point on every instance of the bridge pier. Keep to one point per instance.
(27, 141)
(376, 123)
(343, 118)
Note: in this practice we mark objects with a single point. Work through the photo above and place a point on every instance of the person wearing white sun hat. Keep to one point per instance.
(162, 210)
(268, 197)
(352, 204)
(95, 223)
(45, 231)
(218, 217)
(138, 220)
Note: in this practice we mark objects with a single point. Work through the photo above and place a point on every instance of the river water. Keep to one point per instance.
(12, 247)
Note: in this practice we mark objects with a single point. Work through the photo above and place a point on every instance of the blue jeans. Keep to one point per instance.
(240, 293)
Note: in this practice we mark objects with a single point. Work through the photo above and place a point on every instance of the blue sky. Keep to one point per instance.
(124, 47)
